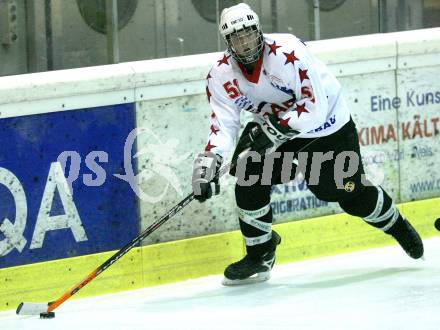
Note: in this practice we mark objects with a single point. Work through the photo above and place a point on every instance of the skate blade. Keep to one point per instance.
(257, 278)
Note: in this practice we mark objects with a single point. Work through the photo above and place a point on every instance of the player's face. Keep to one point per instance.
(244, 42)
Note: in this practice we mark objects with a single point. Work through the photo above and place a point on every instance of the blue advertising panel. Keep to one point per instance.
(59, 196)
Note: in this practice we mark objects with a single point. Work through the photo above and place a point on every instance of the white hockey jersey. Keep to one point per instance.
(287, 81)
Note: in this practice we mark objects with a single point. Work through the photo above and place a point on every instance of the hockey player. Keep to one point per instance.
(297, 105)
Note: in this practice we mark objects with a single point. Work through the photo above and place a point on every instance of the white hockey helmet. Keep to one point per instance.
(240, 28)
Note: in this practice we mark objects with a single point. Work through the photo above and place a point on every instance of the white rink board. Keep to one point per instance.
(419, 120)
(178, 140)
(378, 138)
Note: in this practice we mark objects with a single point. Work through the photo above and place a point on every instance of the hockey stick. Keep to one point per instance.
(29, 308)
(45, 310)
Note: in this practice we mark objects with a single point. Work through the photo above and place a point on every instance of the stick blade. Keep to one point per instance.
(28, 308)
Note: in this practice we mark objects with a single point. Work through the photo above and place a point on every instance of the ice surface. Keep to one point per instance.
(374, 289)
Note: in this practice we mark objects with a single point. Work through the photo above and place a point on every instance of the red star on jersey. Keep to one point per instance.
(224, 60)
(300, 109)
(273, 48)
(209, 146)
(290, 58)
(303, 75)
(208, 94)
(285, 122)
(214, 130)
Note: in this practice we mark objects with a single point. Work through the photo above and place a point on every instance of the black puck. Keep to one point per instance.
(48, 315)
(19, 308)
(437, 224)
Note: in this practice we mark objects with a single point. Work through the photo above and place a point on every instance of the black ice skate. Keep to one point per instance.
(407, 237)
(252, 269)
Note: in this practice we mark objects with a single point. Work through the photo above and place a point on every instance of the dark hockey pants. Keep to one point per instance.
(356, 195)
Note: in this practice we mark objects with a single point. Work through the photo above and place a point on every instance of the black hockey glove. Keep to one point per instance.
(265, 138)
(205, 180)
(277, 132)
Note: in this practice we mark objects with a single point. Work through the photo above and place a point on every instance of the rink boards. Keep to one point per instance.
(55, 216)
(196, 257)
(76, 142)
